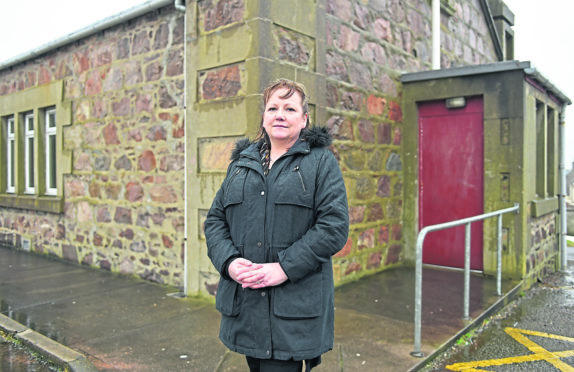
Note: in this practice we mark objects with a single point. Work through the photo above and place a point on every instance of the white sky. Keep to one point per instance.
(27, 24)
(543, 32)
(543, 35)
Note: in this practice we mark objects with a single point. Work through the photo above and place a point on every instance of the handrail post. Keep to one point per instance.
(466, 315)
(419, 265)
(418, 293)
(499, 256)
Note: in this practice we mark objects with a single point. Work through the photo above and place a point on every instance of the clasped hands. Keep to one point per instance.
(254, 275)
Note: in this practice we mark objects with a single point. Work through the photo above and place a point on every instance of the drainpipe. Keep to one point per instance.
(562, 171)
(435, 34)
(180, 6)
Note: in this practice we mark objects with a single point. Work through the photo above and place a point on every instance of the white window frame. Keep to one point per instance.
(29, 185)
(50, 153)
(10, 155)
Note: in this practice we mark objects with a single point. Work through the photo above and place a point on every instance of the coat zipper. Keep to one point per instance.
(298, 170)
(231, 178)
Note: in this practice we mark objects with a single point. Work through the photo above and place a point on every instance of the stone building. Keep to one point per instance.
(116, 138)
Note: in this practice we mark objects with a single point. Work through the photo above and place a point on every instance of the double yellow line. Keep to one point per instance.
(540, 353)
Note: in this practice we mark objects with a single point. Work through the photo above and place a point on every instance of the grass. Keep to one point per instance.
(466, 339)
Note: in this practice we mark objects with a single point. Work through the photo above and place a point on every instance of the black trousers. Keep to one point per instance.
(274, 365)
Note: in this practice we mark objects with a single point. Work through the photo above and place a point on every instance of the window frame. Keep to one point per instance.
(10, 123)
(29, 138)
(50, 154)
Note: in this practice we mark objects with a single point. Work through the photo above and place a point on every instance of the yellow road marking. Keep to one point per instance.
(540, 353)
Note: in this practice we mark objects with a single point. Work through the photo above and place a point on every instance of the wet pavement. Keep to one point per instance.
(535, 333)
(94, 320)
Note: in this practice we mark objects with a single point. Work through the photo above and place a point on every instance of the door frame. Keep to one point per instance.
(439, 122)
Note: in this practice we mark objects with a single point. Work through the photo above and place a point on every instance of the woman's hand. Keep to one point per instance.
(244, 271)
(252, 275)
(267, 275)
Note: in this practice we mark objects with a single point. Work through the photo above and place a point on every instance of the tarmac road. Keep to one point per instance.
(535, 333)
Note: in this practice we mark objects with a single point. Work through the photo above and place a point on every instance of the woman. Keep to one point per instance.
(279, 216)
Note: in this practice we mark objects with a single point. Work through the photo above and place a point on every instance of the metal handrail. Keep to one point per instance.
(419, 264)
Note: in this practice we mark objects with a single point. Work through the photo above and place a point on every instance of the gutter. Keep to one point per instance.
(122, 17)
(546, 84)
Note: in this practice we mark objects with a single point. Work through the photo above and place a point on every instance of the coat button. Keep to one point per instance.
(262, 193)
(262, 294)
(267, 352)
(259, 244)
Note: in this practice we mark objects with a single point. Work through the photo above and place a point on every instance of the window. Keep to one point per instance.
(552, 150)
(10, 151)
(546, 150)
(540, 150)
(29, 153)
(50, 151)
(508, 46)
(32, 158)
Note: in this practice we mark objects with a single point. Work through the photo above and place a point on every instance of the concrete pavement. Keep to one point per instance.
(91, 320)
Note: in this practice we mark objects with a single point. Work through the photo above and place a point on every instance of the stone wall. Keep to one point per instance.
(542, 258)
(124, 196)
(369, 45)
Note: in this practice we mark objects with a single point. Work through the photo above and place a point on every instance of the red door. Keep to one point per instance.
(451, 179)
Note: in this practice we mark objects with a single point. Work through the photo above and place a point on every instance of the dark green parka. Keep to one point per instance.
(297, 215)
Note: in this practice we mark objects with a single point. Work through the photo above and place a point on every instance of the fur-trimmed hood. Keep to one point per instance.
(316, 136)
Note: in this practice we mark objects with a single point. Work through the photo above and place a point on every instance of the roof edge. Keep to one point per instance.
(546, 84)
(489, 68)
(90, 30)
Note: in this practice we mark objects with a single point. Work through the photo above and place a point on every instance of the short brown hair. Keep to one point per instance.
(291, 87)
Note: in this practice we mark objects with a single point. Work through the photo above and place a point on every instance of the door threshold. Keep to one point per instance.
(450, 268)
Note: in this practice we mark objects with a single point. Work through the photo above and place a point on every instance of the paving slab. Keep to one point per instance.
(121, 323)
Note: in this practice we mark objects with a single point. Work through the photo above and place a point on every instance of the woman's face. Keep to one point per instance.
(283, 118)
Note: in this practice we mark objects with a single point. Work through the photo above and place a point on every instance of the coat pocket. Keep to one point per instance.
(294, 210)
(300, 300)
(227, 300)
(234, 188)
